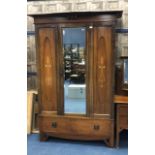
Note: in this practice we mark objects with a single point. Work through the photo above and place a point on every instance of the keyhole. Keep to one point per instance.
(96, 127)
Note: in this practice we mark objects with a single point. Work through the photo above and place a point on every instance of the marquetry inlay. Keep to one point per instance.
(47, 66)
(101, 64)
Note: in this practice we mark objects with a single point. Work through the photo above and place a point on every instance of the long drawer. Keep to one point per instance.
(76, 126)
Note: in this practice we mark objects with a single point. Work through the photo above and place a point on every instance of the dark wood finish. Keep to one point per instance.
(48, 69)
(43, 137)
(89, 71)
(121, 103)
(106, 17)
(60, 73)
(78, 126)
(103, 71)
(98, 122)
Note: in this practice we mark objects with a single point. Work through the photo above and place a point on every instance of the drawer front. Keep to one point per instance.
(75, 126)
(123, 110)
(123, 122)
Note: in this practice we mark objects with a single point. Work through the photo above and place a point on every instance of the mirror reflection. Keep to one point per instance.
(74, 68)
(125, 71)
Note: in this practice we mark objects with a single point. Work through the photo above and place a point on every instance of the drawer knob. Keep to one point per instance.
(54, 124)
(96, 127)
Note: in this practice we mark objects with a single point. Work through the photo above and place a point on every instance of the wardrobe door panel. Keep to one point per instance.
(103, 72)
(47, 57)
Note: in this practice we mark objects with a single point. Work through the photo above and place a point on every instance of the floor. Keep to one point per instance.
(68, 147)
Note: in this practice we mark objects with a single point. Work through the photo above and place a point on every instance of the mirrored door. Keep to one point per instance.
(74, 48)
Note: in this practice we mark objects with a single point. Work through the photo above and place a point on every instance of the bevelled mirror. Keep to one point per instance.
(74, 43)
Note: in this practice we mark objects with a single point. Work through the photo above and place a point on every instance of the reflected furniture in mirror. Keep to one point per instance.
(76, 67)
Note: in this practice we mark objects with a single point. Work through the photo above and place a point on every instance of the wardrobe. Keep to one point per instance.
(75, 62)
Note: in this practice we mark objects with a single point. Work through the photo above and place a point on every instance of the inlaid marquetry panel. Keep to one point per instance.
(103, 59)
(48, 68)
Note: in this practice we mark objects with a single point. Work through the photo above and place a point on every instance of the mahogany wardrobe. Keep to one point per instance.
(75, 62)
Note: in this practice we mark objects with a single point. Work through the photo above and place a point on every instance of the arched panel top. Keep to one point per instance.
(47, 53)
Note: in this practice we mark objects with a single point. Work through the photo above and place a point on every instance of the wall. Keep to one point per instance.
(69, 6)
